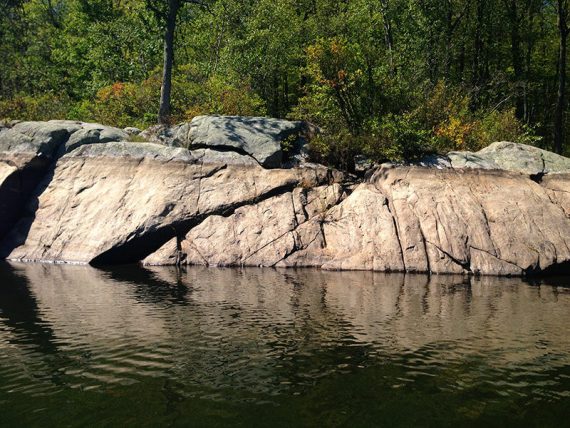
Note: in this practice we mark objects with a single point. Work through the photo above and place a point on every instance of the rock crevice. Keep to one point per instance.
(71, 193)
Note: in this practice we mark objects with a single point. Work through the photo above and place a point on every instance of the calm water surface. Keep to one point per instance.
(249, 347)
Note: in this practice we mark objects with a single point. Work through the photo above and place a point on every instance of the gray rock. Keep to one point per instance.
(131, 130)
(259, 137)
(56, 137)
(512, 157)
(126, 149)
(94, 133)
(435, 161)
(38, 138)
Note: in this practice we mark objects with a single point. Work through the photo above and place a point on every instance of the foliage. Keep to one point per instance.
(390, 79)
(42, 107)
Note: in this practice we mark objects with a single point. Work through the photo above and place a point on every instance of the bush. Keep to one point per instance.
(131, 104)
(124, 104)
(43, 107)
(218, 96)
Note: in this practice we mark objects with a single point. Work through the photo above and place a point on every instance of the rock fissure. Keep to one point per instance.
(465, 264)
(142, 244)
(396, 230)
(92, 200)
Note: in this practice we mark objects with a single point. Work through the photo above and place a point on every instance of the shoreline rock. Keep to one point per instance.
(91, 200)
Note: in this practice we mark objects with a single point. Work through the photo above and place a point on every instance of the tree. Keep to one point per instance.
(167, 11)
(562, 12)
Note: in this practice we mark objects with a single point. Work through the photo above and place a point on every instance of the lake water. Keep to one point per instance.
(252, 347)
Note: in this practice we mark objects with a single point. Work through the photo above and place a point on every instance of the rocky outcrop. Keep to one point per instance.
(115, 202)
(261, 138)
(28, 151)
(405, 219)
(512, 157)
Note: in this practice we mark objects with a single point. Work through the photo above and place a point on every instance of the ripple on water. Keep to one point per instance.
(265, 336)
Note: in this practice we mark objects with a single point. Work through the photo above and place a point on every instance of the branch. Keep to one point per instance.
(159, 13)
(203, 4)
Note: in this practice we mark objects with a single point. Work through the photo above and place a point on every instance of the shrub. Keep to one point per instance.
(43, 107)
(125, 104)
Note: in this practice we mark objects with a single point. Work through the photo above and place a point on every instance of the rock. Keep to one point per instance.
(558, 189)
(407, 219)
(512, 157)
(357, 234)
(259, 137)
(131, 130)
(134, 151)
(33, 138)
(254, 235)
(93, 133)
(489, 222)
(435, 161)
(27, 150)
(118, 202)
(110, 202)
(53, 138)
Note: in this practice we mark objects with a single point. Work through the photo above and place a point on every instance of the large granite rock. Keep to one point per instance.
(405, 219)
(512, 157)
(69, 193)
(117, 202)
(28, 151)
(259, 137)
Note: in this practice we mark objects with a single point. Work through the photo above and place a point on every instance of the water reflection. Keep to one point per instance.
(252, 336)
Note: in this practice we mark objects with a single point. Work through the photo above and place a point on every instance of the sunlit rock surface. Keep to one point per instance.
(70, 194)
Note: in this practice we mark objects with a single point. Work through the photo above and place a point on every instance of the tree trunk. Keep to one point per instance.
(166, 88)
(477, 77)
(516, 56)
(388, 36)
(561, 98)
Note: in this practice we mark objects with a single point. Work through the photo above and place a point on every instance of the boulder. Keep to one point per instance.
(512, 157)
(408, 219)
(34, 138)
(93, 133)
(259, 137)
(118, 202)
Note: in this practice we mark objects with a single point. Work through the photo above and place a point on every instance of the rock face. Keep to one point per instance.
(28, 151)
(117, 202)
(406, 219)
(512, 157)
(91, 200)
(259, 137)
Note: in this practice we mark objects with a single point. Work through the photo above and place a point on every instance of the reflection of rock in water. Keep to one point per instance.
(494, 314)
(84, 304)
(30, 350)
(255, 329)
(19, 311)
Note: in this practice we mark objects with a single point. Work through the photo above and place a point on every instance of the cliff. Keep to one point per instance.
(221, 192)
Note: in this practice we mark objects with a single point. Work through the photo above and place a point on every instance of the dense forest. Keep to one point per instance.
(392, 79)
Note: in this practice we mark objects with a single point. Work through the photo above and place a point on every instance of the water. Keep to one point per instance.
(251, 347)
